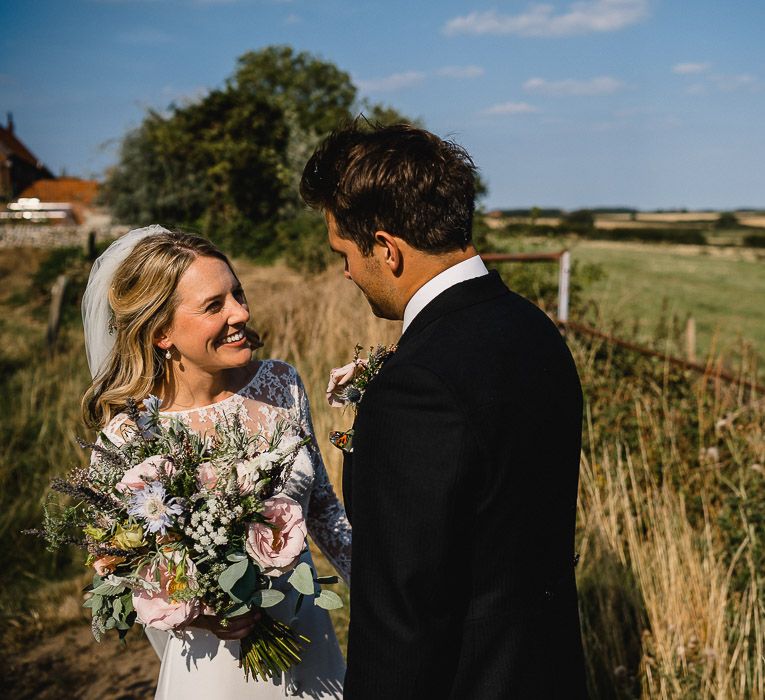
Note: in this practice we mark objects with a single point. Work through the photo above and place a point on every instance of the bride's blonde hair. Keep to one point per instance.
(143, 300)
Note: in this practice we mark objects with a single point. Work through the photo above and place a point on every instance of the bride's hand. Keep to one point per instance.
(235, 628)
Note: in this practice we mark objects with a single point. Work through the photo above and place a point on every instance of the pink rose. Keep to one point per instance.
(277, 549)
(339, 379)
(159, 610)
(106, 564)
(148, 470)
(207, 475)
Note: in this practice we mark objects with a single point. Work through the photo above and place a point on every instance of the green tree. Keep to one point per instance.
(727, 219)
(579, 221)
(229, 164)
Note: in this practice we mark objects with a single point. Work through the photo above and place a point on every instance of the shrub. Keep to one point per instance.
(755, 240)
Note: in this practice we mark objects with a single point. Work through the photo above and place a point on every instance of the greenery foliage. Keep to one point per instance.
(228, 165)
(755, 240)
(727, 220)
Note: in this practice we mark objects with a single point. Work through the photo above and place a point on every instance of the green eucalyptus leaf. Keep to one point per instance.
(236, 556)
(245, 586)
(302, 579)
(238, 609)
(127, 602)
(227, 580)
(267, 598)
(108, 589)
(329, 600)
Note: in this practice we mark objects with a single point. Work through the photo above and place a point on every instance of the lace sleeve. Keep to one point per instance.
(327, 523)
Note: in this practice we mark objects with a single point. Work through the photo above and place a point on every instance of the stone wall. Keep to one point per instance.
(18, 236)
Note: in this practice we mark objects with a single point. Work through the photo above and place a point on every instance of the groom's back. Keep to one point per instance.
(507, 366)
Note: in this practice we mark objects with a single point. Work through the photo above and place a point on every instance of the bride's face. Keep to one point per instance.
(208, 325)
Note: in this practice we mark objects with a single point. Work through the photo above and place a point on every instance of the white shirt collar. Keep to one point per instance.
(465, 270)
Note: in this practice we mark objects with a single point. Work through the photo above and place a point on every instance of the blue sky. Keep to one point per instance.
(647, 103)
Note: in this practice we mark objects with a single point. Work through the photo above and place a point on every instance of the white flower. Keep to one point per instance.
(288, 443)
(149, 504)
(252, 468)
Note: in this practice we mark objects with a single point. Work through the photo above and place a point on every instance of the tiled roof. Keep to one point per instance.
(64, 189)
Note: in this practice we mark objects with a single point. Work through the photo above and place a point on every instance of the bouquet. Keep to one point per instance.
(177, 525)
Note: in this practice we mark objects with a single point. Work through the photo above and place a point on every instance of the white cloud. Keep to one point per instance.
(541, 20)
(461, 71)
(292, 18)
(690, 68)
(511, 108)
(395, 81)
(602, 85)
(731, 83)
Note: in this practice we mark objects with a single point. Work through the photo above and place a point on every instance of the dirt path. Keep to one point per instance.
(70, 664)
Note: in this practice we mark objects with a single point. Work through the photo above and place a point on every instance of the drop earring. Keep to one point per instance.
(168, 355)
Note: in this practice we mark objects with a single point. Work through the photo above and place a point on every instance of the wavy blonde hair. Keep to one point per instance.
(143, 299)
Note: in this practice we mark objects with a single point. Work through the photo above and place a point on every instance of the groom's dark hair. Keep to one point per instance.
(397, 178)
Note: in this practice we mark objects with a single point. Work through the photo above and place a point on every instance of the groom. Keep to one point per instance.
(462, 484)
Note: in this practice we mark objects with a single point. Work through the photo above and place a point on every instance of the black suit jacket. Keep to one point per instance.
(462, 491)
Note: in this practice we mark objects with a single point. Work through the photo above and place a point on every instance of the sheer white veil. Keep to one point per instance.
(96, 312)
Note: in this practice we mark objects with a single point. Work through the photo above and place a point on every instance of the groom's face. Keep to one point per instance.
(366, 271)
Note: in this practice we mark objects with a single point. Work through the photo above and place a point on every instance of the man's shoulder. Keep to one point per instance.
(504, 322)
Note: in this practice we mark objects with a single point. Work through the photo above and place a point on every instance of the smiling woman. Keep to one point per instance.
(179, 332)
(174, 300)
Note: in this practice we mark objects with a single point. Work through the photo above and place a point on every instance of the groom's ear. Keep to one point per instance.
(391, 251)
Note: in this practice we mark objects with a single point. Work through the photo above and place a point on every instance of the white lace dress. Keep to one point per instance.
(196, 664)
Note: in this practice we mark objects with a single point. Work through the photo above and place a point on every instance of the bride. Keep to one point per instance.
(164, 313)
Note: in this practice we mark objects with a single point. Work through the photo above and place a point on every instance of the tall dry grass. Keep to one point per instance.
(314, 323)
(670, 521)
(672, 497)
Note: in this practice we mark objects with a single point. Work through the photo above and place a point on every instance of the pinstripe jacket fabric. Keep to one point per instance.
(462, 491)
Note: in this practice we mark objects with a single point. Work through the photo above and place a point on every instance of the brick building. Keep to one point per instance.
(19, 167)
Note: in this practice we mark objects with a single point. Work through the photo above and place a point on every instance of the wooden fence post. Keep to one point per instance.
(90, 246)
(54, 316)
(690, 338)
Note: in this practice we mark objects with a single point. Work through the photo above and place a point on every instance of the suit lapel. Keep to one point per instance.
(348, 484)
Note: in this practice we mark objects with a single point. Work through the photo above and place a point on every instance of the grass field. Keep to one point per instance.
(671, 503)
(649, 290)
(653, 283)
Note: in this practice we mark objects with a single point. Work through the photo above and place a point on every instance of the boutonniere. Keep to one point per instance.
(348, 384)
